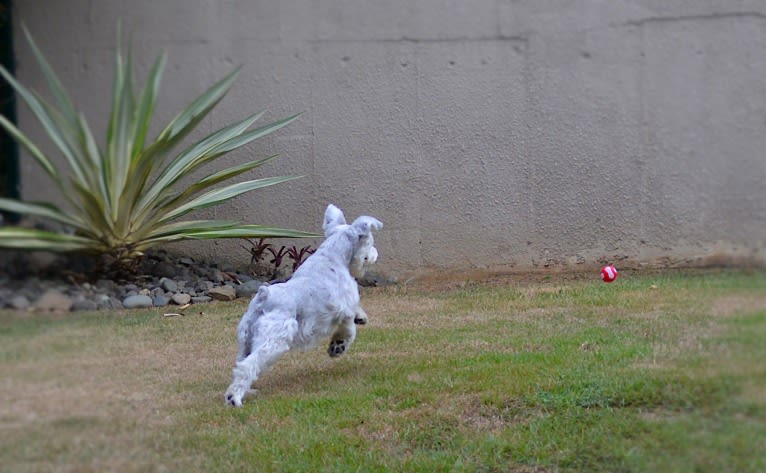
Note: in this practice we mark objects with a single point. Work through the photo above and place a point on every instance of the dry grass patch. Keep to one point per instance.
(533, 377)
(103, 380)
(731, 305)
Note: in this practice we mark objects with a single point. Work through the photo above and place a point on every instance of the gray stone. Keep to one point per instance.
(106, 285)
(157, 291)
(168, 285)
(165, 269)
(374, 279)
(160, 301)
(137, 301)
(53, 300)
(40, 260)
(217, 276)
(19, 302)
(249, 288)
(201, 299)
(223, 293)
(84, 305)
(181, 298)
(105, 302)
(187, 261)
(204, 286)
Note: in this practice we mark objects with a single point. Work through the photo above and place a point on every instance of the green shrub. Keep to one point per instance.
(124, 197)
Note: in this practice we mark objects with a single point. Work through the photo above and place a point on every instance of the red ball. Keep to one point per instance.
(609, 273)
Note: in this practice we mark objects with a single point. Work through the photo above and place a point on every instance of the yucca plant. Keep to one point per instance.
(124, 197)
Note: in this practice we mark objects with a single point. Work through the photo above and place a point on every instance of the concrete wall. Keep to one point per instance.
(484, 133)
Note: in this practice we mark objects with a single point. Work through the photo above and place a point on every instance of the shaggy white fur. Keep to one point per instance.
(320, 300)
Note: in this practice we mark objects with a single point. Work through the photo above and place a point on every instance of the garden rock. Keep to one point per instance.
(84, 305)
(168, 285)
(217, 276)
(19, 302)
(53, 300)
(249, 288)
(108, 303)
(223, 293)
(165, 269)
(137, 301)
(67, 282)
(181, 298)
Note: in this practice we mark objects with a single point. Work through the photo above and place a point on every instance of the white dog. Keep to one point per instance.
(320, 300)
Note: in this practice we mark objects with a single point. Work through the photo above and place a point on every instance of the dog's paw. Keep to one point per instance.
(234, 396)
(337, 348)
(233, 401)
(360, 317)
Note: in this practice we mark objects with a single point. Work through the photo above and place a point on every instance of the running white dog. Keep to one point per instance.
(320, 300)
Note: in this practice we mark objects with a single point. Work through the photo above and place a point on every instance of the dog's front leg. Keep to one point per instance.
(342, 338)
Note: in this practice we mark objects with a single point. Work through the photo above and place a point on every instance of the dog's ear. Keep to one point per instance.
(333, 217)
(366, 225)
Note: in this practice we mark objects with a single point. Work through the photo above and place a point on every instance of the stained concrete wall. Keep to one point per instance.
(484, 133)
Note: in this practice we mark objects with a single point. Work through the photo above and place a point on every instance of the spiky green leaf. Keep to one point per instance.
(33, 239)
(122, 194)
(54, 84)
(31, 148)
(240, 231)
(39, 209)
(217, 196)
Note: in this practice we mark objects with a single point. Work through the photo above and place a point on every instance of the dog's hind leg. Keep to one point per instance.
(273, 334)
(247, 323)
(343, 337)
(360, 317)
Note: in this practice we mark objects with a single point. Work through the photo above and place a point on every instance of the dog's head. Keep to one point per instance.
(360, 233)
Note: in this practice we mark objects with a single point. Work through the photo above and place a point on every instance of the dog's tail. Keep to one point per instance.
(260, 296)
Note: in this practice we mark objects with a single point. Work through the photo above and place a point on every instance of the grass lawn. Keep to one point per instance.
(654, 373)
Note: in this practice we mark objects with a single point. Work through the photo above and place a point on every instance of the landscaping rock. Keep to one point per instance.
(204, 286)
(53, 300)
(249, 288)
(137, 301)
(19, 302)
(217, 276)
(168, 285)
(66, 282)
(84, 305)
(130, 288)
(165, 269)
(223, 293)
(181, 298)
(108, 303)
